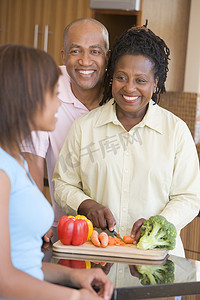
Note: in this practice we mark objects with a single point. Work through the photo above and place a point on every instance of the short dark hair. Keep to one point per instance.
(139, 41)
(86, 20)
(26, 74)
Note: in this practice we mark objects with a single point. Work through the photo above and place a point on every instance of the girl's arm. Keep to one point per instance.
(15, 284)
(74, 278)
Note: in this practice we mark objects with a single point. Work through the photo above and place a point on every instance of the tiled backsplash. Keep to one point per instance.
(187, 107)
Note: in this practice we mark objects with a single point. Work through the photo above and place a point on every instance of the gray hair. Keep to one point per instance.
(104, 30)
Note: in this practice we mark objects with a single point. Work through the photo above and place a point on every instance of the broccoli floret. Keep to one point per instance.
(151, 275)
(157, 232)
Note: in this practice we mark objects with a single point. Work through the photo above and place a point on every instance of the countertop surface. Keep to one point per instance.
(183, 279)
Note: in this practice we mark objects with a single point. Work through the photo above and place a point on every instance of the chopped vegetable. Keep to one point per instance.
(157, 232)
(72, 231)
(151, 275)
(128, 239)
(102, 263)
(114, 241)
(90, 225)
(111, 241)
(103, 238)
(95, 238)
(75, 264)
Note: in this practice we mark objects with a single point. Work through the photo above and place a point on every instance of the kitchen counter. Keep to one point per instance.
(123, 273)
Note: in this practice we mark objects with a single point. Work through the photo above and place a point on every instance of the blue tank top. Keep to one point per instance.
(30, 217)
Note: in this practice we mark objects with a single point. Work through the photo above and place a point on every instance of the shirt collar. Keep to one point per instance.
(65, 91)
(108, 114)
(152, 118)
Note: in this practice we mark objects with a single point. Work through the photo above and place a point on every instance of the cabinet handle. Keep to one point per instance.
(36, 36)
(46, 32)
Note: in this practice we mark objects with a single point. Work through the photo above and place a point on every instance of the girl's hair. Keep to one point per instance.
(26, 75)
(139, 41)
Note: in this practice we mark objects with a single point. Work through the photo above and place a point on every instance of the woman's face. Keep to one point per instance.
(133, 85)
(46, 118)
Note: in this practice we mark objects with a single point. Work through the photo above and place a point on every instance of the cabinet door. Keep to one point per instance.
(22, 16)
(3, 20)
(57, 14)
(39, 23)
(116, 21)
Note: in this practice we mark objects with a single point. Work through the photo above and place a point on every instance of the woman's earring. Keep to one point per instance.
(110, 82)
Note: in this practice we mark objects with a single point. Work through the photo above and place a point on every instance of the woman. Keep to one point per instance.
(28, 99)
(130, 159)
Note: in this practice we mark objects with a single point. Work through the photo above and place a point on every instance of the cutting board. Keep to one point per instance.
(127, 251)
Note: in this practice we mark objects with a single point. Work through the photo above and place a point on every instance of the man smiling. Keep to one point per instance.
(84, 54)
(85, 50)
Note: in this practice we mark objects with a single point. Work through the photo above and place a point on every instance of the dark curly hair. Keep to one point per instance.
(139, 41)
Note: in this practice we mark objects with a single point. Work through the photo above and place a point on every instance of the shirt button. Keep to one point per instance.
(125, 190)
(124, 209)
(127, 153)
(126, 171)
(120, 270)
(122, 228)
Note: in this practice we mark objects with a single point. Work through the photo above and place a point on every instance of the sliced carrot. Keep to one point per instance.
(94, 238)
(102, 263)
(128, 239)
(111, 241)
(103, 237)
(119, 242)
(114, 241)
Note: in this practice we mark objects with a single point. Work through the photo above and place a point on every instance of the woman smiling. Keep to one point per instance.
(131, 159)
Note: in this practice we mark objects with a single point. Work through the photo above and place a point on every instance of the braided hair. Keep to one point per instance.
(139, 41)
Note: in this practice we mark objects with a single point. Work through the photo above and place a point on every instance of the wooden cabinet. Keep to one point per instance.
(21, 17)
(39, 23)
(190, 238)
(116, 21)
(3, 20)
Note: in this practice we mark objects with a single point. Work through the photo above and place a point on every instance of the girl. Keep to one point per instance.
(28, 99)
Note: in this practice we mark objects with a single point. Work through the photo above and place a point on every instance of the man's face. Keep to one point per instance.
(85, 55)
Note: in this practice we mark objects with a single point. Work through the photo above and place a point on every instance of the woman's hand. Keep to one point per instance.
(136, 230)
(47, 237)
(89, 278)
(105, 267)
(99, 215)
(134, 271)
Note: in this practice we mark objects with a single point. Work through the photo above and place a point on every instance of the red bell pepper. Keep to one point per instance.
(72, 231)
(75, 264)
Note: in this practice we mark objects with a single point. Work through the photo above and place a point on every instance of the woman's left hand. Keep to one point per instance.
(136, 230)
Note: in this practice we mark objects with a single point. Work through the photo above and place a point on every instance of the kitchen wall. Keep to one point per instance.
(192, 70)
(177, 22)
(170, 20)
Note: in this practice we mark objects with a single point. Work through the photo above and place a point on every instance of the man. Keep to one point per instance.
(86, 47)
